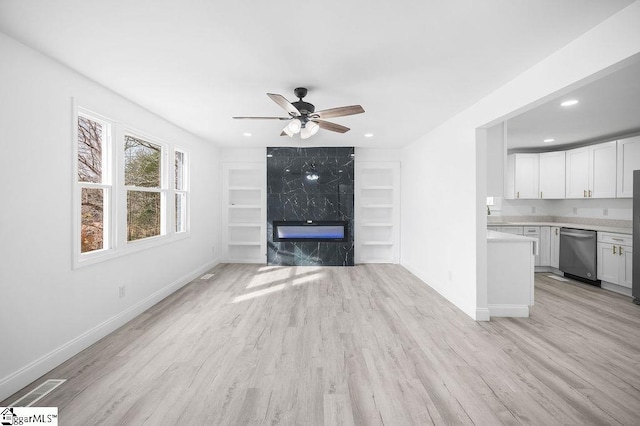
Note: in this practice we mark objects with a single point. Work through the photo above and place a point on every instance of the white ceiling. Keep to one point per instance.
(197, 63)
(607, 107)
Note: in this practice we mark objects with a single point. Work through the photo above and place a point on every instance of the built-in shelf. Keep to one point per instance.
(377, 212)
(244, 206)
(364, 188)
(244, 195)
(245, 188)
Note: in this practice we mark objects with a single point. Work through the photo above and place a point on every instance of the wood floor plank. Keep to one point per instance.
(371, 344)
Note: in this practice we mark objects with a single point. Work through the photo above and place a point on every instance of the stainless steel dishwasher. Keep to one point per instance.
(578, 251)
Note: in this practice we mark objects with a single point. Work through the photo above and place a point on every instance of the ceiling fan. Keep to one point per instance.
(303, 117)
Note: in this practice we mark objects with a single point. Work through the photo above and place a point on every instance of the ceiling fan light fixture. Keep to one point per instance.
(309, 130)
(293, 127)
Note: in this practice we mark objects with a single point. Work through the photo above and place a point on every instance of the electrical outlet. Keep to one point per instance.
(213, 249)
(533, 209)
(575, 210)
(605, 212)
(122, 291)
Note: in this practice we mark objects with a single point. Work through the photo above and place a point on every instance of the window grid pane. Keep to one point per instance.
(92, 215)
(181, 212)
(142, 163)
(90, 138)
(144, 217)
(179, 170)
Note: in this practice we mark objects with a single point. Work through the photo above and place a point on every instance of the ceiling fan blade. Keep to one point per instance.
(262, 118)
(284, 103)
(327, 125)
(340, 111)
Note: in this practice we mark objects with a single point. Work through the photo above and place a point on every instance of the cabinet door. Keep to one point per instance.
(526, 167)
(577, 173)
(602, 165)
(545, 246)
(625, 271)
(555, 247)
(552, 174)
(608, 262)
(628, 161)
(510, 178)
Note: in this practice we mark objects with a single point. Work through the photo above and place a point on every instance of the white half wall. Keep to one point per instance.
(441, 237)
(49, 311)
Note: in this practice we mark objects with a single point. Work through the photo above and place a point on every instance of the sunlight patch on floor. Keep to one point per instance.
(258, 293)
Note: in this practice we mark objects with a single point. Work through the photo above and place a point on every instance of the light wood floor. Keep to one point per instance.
(364, 345)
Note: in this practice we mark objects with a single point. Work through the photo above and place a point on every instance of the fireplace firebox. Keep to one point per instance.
(323, 230)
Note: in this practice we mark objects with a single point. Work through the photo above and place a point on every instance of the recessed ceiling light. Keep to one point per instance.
(247, 134)
(549, 140)
(569, 102)
(368, 135)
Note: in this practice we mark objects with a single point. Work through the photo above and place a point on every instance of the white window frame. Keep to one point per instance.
(107, 185)
(185, 190)
(115, 214)
(163, 190)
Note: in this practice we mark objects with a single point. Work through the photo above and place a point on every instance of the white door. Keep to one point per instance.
(626, 260)
(628, 161)
(603, 174)
(608, 262)
(555, 247)
(527, 176)
(552, 174)
(577, 173)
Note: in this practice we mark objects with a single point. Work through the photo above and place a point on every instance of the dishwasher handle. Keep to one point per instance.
(573, 234)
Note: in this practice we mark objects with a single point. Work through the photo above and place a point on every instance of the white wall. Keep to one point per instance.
(443, 206)
(49, 311)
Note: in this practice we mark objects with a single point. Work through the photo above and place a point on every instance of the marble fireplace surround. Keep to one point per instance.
(310, 184)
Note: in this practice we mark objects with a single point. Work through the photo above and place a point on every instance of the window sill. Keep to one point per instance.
(129, 248)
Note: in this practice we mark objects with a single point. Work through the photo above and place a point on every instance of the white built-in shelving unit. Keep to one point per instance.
(377, 199)
(244, 215)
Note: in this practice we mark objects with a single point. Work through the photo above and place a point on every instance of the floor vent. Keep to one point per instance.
(557, 278)
(206, 276)
(38, 393)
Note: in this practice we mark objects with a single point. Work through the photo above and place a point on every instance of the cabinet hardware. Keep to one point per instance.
(556, 231)
(614, 250)
(518, 194)
(540, 194)
(589, 193)
(620, 252)
(617, 239)
(584, 195)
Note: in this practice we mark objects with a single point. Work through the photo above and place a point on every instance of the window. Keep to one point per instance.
(180, 188)
(146, 200)
(94, 183)
(144, 183)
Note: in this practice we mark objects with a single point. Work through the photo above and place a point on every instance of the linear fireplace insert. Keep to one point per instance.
(324, 230)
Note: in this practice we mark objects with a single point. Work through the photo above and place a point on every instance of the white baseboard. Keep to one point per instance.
(521, 311)
(483, 314)
(625, 291)
(30, 372)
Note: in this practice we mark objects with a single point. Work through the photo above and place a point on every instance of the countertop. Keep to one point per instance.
(599, 228)
(503, 236)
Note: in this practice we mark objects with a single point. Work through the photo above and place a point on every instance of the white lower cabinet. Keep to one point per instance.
(615, 258)
(554, 247)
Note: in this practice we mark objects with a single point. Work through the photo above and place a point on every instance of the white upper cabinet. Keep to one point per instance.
(552, 175)
(577, 173)
(591, 171)
(602, 170)
(628, 161)
(526, 175)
